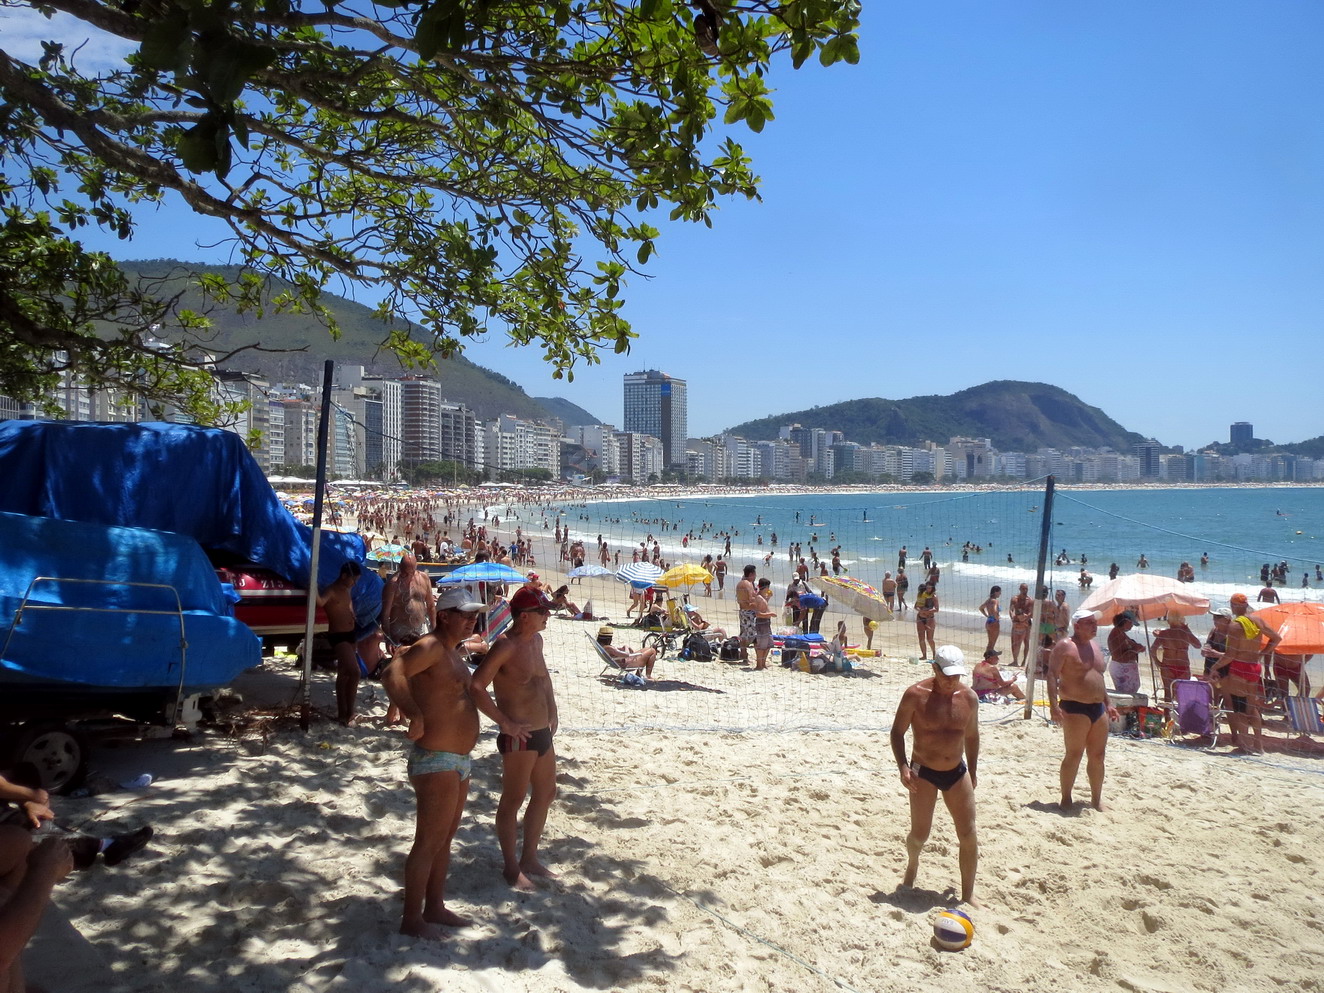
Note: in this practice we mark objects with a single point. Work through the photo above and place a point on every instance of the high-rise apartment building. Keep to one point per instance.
(655, 404)
(1242, 433)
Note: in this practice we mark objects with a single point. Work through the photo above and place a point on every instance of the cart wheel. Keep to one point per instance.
(58, 752)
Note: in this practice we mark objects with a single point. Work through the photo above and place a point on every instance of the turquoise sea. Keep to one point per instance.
(1240, 528)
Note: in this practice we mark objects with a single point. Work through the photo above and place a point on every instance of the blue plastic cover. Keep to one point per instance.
(200, 482)
(119, 636)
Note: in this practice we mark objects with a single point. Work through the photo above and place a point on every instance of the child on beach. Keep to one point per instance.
(429, 682)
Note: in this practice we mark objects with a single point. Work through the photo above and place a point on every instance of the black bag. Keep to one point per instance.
(730, 650)
(696, 648)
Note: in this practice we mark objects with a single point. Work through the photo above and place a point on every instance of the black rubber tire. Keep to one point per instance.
(59, 753)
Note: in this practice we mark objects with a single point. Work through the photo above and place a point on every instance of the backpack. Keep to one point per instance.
(696, 648)
(730, 650)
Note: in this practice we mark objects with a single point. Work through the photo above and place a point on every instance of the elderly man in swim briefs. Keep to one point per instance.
(1250, 643)
(1078, 701)
(429, 682)
(516, 671)
(943, 716)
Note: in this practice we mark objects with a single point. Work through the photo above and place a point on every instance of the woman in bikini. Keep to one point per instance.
(926, 609)
(992, 611)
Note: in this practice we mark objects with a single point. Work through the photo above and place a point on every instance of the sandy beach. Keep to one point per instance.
(719, 830)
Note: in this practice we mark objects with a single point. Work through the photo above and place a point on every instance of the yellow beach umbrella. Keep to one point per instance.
(685, 574)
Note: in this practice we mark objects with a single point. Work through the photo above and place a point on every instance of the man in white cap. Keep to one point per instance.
(943, 715)
(429, 682)
(1079, 702)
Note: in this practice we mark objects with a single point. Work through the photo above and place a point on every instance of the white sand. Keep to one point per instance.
(710, 861)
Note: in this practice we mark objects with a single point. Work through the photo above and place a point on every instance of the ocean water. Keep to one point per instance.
(1240, 528)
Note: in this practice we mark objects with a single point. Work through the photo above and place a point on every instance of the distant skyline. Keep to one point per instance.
(1123, 200)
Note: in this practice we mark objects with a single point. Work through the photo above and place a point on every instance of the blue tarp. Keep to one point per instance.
(123, 636)
(200, 482)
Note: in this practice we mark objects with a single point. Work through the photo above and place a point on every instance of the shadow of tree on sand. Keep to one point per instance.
(283, 870)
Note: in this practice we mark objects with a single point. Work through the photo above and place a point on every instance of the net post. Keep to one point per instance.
(1045, 528)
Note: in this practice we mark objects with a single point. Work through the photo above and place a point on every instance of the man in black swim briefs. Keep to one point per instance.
(339, 606)
(943, 716)
(1079, 702)
(521, 691)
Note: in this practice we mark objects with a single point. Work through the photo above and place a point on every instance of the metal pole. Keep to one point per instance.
(1032, 660)
(323, 429)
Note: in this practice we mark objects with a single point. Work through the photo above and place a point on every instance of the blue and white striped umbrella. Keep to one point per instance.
(639, 573)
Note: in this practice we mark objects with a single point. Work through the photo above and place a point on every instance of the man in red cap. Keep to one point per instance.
(1250, 642)
(525, 708)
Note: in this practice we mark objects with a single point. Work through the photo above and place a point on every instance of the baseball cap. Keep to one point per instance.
(1128, 615)
(1222, 612)
(991, 652)
(532, 576)
(458, 598)
(1083, 614)
(1238, 598)
(528, 599)
(950, 661)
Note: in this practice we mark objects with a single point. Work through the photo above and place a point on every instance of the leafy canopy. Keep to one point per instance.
(476, 164)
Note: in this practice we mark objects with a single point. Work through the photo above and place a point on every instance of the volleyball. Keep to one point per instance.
(953, 930)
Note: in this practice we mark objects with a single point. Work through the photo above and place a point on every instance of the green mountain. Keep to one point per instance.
(1015, 416)
(303, 344)
(570, 413)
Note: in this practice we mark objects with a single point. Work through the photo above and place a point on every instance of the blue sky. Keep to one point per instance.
(1123, 199)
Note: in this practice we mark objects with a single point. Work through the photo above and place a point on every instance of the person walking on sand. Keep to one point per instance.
(1078, 701)
(926, 619)
(942, 715)
(525, 709)
(429, 682)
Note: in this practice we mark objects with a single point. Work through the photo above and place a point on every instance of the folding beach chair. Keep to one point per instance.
(613, 667)
(1193, 701)
(1303, 714)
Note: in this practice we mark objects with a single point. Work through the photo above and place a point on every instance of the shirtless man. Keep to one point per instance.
(1061, 615)
(429, 682)
(745, 593)
(944, 716)
(339, 607)
(889, 591)
(1079, 702)
(408, 609)
(525, 710)
(1245, 657)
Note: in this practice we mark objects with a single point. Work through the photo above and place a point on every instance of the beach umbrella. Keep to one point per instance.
(1300, 624)
(1148, 596)
(587, 572)
(685, 574)
(482, 572)
(859, 596)
(639, 573)
(387, 553)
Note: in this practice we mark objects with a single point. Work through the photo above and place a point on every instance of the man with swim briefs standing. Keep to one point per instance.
(517, 672)
(943, 715)
(429, 682)
(338, 603)
(1078, 701)
(408, 609)
(1250, 643)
